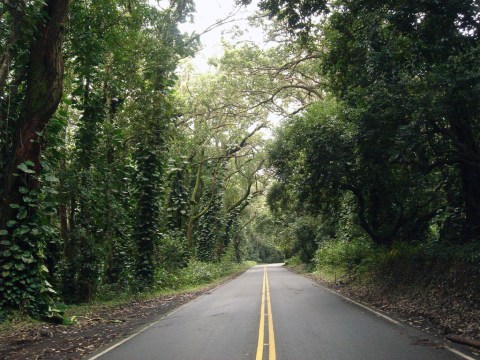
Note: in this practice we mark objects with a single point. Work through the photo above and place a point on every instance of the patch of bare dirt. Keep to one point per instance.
(92, 331)
(442, 308)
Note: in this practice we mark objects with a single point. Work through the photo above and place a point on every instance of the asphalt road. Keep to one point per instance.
(300, 320)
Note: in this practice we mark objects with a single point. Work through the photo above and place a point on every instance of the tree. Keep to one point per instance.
(22, 260)
(224, 140)
(399, 71)
(126, 52)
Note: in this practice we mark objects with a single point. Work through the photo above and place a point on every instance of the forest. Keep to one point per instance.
(350, 145)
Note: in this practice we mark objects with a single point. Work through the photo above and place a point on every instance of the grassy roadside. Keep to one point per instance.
(431, 286)
(196, 278)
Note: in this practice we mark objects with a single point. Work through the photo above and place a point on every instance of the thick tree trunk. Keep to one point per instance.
(470, 175)
(62, 214)
(43, 94)
(107, 231)
(193, 206)
(376, 237)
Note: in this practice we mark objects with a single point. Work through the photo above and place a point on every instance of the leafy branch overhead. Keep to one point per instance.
(351, 132)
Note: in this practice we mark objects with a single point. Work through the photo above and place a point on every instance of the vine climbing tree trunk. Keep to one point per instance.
(43, 94)
(25, 285)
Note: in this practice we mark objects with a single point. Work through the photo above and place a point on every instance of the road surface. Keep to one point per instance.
(270, 313)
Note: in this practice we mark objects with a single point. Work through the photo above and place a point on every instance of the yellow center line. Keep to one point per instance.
(261, 330)
(272, 354)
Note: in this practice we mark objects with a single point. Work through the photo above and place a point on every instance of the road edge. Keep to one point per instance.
(117, 342)
(382, 315)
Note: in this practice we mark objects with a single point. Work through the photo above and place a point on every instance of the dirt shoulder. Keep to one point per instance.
(440, 311)
(95, 329)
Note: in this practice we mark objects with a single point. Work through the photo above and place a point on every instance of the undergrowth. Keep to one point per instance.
(193, 277)
(406, 263)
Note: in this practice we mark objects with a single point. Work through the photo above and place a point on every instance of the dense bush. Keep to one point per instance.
(305, 230)
(347, 255)
(362, 256)
(194, 274)
(198, 273)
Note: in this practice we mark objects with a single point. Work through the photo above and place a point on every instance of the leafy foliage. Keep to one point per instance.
(115, 191)
(379, 157)
(124, 170)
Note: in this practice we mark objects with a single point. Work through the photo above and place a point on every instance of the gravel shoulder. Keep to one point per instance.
(94, 329)
(441, 312)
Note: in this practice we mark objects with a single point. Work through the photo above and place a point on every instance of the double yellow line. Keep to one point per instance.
(272, 355)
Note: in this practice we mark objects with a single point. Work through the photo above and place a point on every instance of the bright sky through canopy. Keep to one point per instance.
(210, 12)
(217, 19)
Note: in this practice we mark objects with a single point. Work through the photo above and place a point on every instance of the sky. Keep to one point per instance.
(208, 13)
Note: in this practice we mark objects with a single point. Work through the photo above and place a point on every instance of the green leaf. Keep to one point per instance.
(14, 206)
(28, 259)
(43, 268)
(70, 321)
(51, 178)
(22, 214)
(29, 163)
(23, 167)
(3, 232)
(11, 223)
(22, 230)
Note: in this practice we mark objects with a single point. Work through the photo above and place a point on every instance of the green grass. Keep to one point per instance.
(402, 262)
(17, 320)
(330, 275)
(195, 277)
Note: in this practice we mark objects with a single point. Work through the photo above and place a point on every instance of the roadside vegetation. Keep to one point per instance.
(122, 173)
(377, 183)
(188, 281)
(125, 172)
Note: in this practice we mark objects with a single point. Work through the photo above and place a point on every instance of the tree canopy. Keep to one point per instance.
(121, 164)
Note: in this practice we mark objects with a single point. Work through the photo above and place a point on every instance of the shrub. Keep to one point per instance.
(348, 255)
(173, 253)
(196, 273)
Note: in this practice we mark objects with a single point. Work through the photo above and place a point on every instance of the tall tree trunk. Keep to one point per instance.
(107, 231)
(193, 206)
(43, 94)
(469, 173)
(26, 288)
